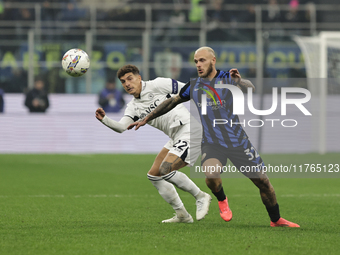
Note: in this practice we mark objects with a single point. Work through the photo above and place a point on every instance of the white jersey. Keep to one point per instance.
(153, 93)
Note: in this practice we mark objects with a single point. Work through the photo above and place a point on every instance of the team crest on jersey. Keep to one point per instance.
(151, 96)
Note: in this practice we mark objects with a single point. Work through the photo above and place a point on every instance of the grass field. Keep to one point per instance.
(104, 204)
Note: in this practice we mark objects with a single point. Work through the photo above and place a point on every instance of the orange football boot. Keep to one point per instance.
(284, 223)
(225, 211)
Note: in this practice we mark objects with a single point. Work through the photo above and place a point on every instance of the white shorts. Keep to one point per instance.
(187, 147)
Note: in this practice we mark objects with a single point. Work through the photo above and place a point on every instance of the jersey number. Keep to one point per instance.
(250, 154)
(180, 144)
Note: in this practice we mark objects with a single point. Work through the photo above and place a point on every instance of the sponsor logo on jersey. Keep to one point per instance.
(149, 109)
(152, 106)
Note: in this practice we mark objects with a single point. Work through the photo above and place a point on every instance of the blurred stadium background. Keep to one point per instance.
(81, 202)
(160, 37)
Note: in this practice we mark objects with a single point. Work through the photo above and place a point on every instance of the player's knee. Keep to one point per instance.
(212, 175)
(154, 172)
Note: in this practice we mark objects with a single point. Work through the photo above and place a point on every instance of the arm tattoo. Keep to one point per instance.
(164, 107)
(245, 84)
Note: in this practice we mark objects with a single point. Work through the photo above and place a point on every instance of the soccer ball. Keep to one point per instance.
(75, 62)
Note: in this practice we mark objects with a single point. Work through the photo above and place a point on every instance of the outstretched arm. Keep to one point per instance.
(243, 84)
(117, 126)
(163, 108)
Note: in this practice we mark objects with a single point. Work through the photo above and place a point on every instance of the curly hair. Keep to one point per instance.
(127, 69)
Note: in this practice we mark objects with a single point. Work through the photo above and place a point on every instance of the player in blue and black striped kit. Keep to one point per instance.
(222, 142)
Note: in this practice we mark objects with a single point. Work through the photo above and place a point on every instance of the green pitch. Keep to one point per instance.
(104, 204)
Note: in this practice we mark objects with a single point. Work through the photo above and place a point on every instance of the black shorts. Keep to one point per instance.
(245, 158)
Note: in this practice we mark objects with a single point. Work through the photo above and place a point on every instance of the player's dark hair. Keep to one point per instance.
(127, 69)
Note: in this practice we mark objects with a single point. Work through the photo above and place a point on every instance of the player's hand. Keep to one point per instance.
(100, 114)
(137, 124)
(235, 75)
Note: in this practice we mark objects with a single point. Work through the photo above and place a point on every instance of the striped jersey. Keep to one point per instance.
(219, 106)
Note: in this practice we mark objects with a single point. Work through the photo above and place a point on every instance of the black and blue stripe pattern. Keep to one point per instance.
(227, 135)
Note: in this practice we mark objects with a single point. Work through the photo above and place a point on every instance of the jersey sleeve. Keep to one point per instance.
(118, 126)
(232, 82)
(167, 85)
(185, 92)
(130, 112)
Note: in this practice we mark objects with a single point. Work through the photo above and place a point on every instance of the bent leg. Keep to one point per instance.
(168, 170)
(214, 182)
(154, 170)
(166, 189)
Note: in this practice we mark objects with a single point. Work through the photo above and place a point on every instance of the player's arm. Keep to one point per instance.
(161, 109)
(117, 126)
(243, 84)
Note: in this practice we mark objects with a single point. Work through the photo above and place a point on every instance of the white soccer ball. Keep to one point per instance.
(75, 62)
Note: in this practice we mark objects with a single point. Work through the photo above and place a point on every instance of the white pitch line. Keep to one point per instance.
(311, 195)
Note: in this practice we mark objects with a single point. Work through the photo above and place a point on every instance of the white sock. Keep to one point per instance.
(167, 191)
(181, 212)
(182, 181)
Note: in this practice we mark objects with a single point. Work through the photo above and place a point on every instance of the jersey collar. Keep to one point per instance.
(143, 87)
(217, 74)
(202, 81)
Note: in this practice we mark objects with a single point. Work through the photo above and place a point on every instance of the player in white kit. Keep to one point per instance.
(182, 149)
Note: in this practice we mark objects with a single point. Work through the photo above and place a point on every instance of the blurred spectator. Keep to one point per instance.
(293, 14)
(161, 23)
(274, 16)
(215, 17)
(177, 20)
(110, 98)
(47, 12)
(274, 13)
(250, 17)
(37, 99)
(48, 17)
(2, 9)
(1, 100)
(71, 12)
(196, 12)
(308, 12)
(25, 22)
(72, 15)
